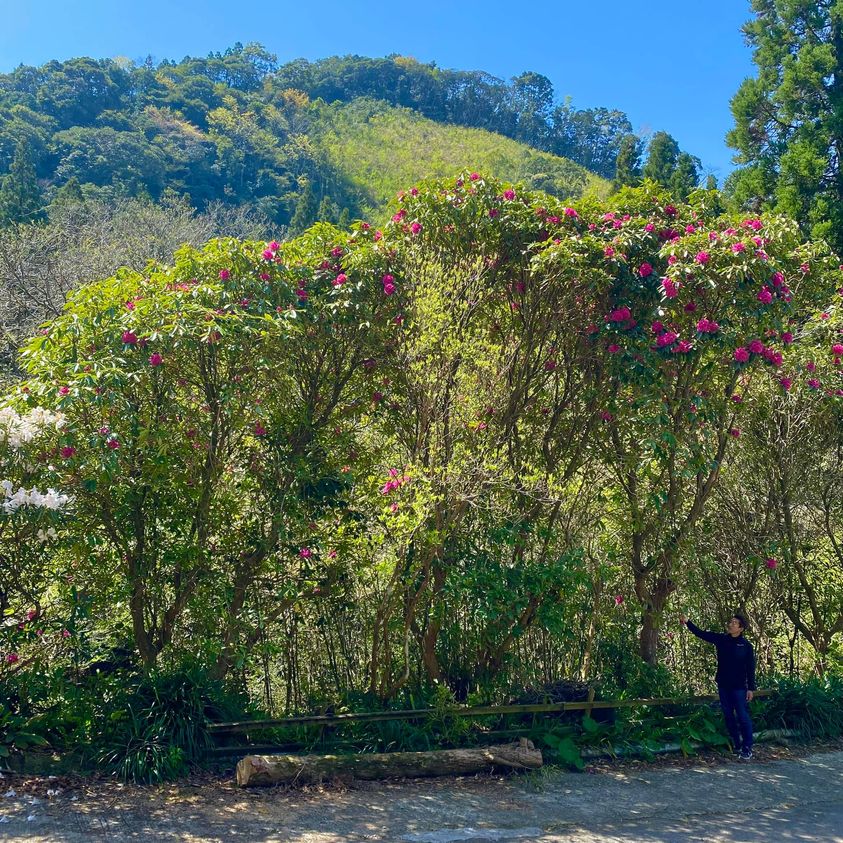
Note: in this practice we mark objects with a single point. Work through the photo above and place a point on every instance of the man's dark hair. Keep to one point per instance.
(740, 619)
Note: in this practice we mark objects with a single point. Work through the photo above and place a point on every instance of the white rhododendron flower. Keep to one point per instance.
(17, 430)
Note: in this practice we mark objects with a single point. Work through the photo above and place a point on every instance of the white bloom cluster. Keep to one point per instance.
(17, 430)
(15, 499)
(46, 535)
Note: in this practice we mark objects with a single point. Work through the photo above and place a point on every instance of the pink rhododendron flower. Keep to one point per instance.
(805, 268)
(741, 355)
(614, 348)
(837, 348)
(509, 195)
(667, 338)
(104, 430)
(787, 338)
(65, 633)
(474, 176)
(738, 399)
(773, 357)
(734, 431)
(493, 212)
(549, 365)
(340, 280)
(606, 416)
(785, 383)
(707, 326)
(764, 296)
(620, 314)
(264, 276)
(570, 212)
(670, 210)
(771, 563)
(11, 658)
(703, 257)
(393, 507)
(657, 327)
(814, 383)
(649, 228)
(67, 451)
(691, 307)
(129, 338)
(811, 366)
(114, 444)
(260, 430)
(305, 552)
(738, 247)
(682, 347)
(64, 390)
(671, 288)
(268, 255)
(609, 252)
(756, 347)
(155, 359)
(645, 270)
(618, 599)
(224, 275)
(690, 229)
(377, 396)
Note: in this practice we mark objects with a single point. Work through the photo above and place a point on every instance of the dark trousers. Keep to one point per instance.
(736, 713)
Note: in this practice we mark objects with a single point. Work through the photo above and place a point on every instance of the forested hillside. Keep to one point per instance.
(238, 128)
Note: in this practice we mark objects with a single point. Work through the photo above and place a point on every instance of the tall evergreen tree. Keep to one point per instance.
(327, 210)
(20, 196)
(306, 210)
(686, 176)
(662, 155)
(628, 167)
(789, 118)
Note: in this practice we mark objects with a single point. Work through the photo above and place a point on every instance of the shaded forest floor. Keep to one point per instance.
(784, 793)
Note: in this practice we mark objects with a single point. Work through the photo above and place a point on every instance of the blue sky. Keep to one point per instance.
(668, 65)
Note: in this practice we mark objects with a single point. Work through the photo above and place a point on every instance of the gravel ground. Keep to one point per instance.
(781, 795)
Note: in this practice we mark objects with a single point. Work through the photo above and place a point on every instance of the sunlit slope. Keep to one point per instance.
(379, 150)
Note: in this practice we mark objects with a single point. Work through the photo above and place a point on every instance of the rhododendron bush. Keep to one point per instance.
(399, 455)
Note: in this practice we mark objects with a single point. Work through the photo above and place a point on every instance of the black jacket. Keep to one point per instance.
(735, 658)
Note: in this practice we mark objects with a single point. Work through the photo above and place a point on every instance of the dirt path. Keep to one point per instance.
(769, 799)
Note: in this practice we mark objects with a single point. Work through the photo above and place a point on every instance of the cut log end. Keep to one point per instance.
(267, 770)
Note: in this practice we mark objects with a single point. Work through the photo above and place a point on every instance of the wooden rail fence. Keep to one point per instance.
(465, 711)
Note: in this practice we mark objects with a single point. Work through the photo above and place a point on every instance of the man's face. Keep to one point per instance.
(734, 627)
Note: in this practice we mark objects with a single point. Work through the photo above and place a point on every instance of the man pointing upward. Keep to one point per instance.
(735, 679)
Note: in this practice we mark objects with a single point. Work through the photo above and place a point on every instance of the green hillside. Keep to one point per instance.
(332, 140)
(378, 150)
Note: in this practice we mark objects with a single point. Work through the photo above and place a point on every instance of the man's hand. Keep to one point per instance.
(749, 695)
(683, 620)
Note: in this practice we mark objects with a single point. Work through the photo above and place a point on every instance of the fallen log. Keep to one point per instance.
(265, 770)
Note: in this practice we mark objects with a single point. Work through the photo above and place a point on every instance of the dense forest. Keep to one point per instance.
(238, 128)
